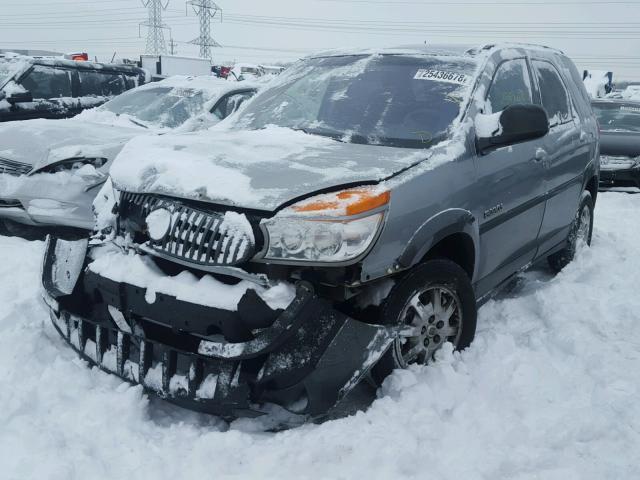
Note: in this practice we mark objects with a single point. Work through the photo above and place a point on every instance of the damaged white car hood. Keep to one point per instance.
(260, 169)
(41, 142)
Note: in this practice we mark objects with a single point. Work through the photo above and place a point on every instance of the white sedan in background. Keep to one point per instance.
(51, 170)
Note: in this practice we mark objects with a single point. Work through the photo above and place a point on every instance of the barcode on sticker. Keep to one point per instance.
(442, 76)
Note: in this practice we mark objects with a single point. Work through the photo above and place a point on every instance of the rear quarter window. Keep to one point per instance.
(582, 99)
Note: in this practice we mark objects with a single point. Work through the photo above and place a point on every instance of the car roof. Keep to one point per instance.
(449, 49)
(213, 87)
(61, 62)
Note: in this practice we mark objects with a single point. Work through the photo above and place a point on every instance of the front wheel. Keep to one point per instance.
(432, 305)
(581, 232)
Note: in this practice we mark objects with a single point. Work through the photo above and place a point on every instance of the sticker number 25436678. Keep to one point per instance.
(442, 76)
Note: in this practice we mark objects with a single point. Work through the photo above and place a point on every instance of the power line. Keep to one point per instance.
(524, 3)
(205, 10)
(155, 28)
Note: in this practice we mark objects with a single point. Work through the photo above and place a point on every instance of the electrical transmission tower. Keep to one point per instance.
(206, 10)
(155, 28)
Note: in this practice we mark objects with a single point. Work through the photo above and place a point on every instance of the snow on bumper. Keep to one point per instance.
(205, 358)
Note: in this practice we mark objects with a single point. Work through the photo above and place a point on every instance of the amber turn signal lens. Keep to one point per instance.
(353, 202)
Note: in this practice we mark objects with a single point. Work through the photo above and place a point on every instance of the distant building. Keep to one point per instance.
(31, 53)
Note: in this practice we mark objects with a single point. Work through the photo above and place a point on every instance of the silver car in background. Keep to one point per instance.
(51, 170)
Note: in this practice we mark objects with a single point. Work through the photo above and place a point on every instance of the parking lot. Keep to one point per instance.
(548, 390)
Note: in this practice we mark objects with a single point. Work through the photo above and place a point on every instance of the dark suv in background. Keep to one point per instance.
(55, 88)
(619, 142)
(351, 222)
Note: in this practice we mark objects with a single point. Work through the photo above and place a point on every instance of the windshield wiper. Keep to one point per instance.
(137, 123)
(343, 137)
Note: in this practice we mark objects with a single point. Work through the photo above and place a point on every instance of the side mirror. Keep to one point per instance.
(20, 97)
(515, 124)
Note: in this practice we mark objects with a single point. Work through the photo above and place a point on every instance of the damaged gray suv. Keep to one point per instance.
(349, 222)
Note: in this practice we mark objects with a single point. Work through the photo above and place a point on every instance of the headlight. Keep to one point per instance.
(333, 228)
(71, 164)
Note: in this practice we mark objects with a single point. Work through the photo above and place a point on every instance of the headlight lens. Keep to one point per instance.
(72, 164)
(331, 228)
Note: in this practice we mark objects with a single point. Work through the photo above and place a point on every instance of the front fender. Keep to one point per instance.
(437, 228)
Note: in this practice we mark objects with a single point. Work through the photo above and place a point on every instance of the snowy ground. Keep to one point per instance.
(549, 390)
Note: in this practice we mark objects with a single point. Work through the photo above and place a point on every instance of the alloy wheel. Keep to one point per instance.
(430, 318)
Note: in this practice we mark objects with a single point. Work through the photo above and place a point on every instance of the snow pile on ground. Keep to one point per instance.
(549, 390)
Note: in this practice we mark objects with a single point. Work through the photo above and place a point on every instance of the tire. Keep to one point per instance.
(411, 303)
(581, 230)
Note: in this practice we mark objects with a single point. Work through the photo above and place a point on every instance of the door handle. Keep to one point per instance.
(583, 136)
(541, 155)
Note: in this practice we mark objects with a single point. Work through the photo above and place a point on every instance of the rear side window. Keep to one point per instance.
(48, 82)
(585, 105)
(131, 81)
(93, 83)
(511, 86)
(230, 104)
(555, 99)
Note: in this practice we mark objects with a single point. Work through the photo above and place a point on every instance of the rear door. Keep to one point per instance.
(511, 181)
(567, 152)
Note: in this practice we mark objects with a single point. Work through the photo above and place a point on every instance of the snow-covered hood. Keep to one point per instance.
(261, 169)
(41, 142)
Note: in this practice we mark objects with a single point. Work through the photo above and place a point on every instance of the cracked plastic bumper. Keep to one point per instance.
(305, 358)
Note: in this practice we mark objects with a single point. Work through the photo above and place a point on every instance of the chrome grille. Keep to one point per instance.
(14, 168)
(196, 236)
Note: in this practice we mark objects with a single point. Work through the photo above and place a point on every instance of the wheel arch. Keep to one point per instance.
(452, 234)
(592, 187)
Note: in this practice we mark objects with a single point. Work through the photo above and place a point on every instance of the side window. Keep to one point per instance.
(94, 83)
(90, 84)
(230, 104)
(510, 86)
(113, 84)
(48, 82)
(131, 81)
(554, 95)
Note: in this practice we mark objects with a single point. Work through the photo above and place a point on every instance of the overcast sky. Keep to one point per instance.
(596, 34)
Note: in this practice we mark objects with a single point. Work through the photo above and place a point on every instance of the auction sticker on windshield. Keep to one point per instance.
(442, 76)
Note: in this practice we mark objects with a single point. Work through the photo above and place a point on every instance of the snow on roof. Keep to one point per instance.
(212, 86)
(452, 49)
(62, 62)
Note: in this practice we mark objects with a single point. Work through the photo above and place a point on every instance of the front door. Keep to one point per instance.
(512, 186)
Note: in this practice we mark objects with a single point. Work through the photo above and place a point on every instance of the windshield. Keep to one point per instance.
(8, 70)
(163, 106)
(393, 100)
(616, 117)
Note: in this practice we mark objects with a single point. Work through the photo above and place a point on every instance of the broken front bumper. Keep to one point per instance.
(305, 358)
